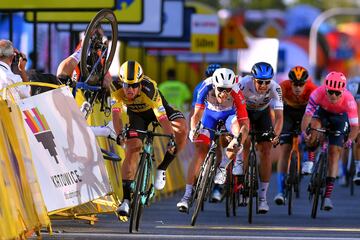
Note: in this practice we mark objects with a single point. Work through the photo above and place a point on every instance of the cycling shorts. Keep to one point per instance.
(334, 122)
(292, 122)
(260, 121)
(141, 120)
(210, 119)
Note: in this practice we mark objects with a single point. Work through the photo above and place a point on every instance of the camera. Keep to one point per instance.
(15, 64)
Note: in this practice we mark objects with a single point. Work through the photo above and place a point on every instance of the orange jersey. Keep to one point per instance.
(291, 99)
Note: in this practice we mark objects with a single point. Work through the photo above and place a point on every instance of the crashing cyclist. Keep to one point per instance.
(296, 92)
(333, 107)
(222, 103)
(261, 92)
(145, 104)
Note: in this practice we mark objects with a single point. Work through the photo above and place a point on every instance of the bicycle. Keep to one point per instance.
(318, 177)
(207, 172)
(144, 190)
(251, 183)
(292, 180)
(350, 171)
(95, 61)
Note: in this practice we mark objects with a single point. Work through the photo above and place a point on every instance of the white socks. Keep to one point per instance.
(263, 189)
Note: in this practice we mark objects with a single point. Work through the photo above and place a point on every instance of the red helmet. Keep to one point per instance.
(335, 81)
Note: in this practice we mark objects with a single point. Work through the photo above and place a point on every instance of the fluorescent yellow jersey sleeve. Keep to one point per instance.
(148, 98)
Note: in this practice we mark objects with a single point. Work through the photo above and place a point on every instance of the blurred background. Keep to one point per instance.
(187, 35)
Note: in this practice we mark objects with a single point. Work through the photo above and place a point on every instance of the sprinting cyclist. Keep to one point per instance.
(144, 104)
(296, 92)
(260, 90)
(331, 106)
(222, 104)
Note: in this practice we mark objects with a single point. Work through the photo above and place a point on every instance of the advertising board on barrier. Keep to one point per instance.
(67, 159)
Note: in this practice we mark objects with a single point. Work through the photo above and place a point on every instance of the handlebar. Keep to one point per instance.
(323, 130)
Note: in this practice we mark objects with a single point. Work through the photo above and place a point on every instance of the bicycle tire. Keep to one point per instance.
(136, 199)
(104, 14)
(204, 181)
(252, 172)
(229, 190)
(317, 186)
(351, 176)
(144, 188)
(291, 180)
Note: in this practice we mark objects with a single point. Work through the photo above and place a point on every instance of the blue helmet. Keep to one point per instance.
(211, 69)
(262, 70)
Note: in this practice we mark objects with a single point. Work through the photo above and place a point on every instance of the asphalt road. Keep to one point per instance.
(162, 221)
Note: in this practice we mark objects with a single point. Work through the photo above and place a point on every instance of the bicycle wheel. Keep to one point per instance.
(251, 175)
(145, 193)
(135, 211)
(317, 181)
(96, 57)
(291, 180)
(351, 176)
(209, 161)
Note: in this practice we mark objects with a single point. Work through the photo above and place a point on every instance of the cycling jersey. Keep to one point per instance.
(257, 101)
(293, 100)
(148, 99)
(195, 93)
(346, 104)
(207, 93)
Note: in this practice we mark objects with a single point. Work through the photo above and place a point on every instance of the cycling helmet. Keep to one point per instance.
(131, 72)
(262, 70)
(335, 81)
(224, 78)
(298, 74)
(211, 69)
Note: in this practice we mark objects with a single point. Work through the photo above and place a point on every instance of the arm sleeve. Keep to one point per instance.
(240, 105)
(157, 105)
(202, 94)
(312, 104)
(277, 101)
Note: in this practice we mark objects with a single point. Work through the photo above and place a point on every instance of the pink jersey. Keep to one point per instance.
(346, 104)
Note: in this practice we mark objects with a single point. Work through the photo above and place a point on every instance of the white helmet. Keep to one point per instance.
(224, 77)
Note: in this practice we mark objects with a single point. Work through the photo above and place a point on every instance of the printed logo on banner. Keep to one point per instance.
(40, 128)
(120, 4)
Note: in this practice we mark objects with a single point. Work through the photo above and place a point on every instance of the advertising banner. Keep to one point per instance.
(205, 33)
(37, 5)
(68, 161)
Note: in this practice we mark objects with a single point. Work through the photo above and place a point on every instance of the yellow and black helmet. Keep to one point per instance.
(131, 72)
(298, 74)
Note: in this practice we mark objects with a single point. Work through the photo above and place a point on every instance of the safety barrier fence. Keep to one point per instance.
(26, 160)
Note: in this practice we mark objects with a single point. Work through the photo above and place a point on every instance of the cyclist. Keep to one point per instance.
(261, 92)
(296, 92)
(333, 107)
(221, 99)
(144, 104)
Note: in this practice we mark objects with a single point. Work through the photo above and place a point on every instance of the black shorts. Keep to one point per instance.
(292, 122)
(141, 120)
(260, 121)
(334, 122)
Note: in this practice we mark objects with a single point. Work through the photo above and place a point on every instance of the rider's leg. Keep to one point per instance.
(333, 158)
(282, 166)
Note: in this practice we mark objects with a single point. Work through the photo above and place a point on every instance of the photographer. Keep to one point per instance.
(12, 70)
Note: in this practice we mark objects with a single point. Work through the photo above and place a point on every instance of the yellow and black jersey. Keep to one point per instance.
(149, 98)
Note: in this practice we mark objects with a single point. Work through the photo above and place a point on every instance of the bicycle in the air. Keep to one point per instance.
(96, 57)
(144, 189)
(317, 182)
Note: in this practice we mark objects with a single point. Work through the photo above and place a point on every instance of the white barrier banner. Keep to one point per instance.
(68, 161)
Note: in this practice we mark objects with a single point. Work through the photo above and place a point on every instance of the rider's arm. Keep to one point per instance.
(279, 118)
(353, 116)
(241, 112)
(278, 106)
(68, 65)
(196, 117)
(309, 111)
(117, 118)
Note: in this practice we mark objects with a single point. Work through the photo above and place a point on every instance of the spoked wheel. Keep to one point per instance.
(201, 187)
(291, 181)
(317, 181)
(137, 205)
(97, 54)
(229, 190)
(351, 176)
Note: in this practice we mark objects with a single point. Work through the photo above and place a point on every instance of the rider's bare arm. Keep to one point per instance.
(117, 120)
(198, 112)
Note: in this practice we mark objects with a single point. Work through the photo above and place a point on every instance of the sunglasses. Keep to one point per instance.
(134, 85)
(221, 89)
(298, 84)
(331, 92)
(262, 82)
